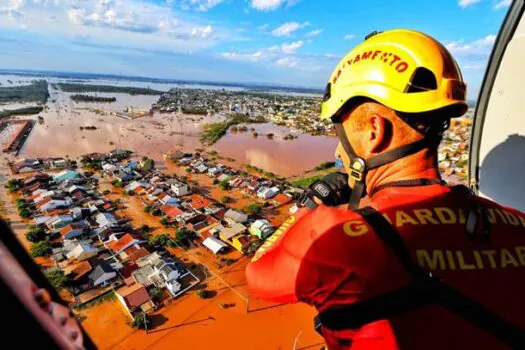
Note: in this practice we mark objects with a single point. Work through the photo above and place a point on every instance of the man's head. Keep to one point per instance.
(389, 98)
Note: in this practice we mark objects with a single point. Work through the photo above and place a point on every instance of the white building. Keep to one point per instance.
(82, 251)
(214, 244)
(180, 189)
(106, 220)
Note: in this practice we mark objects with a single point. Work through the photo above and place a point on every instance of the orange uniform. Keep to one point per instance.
(329, 257)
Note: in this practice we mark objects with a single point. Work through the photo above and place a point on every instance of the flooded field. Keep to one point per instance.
(62, 132)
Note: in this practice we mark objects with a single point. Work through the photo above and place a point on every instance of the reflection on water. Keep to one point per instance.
(60, 135)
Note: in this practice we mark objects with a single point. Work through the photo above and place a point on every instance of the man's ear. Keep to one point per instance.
(380, 133)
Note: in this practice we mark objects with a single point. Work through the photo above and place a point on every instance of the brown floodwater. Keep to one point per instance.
(283, 157)
(60, 135)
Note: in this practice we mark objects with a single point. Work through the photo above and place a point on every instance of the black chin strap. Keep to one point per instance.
(359, 167)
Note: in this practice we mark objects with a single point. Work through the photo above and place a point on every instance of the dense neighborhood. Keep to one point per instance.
(96, 250)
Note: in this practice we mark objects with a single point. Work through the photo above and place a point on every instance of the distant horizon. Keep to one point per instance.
(140, 78)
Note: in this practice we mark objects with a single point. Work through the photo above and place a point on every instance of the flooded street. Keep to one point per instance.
(60, 134)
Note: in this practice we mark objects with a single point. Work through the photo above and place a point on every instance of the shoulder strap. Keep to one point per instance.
(424, 290)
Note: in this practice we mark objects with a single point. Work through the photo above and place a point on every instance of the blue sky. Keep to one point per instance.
(291, 42)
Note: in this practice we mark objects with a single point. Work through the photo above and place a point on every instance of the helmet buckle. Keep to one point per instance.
(357, 169)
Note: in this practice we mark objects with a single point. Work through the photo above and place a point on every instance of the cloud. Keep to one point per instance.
(467, 3)
(263, 27)
(288, 28)
(287, 62)
(502, 4)
(271, 5)
(205, 5)
(476, 49)
(349, 36)
(267, 5)
(12, 8)
(313, 33)
(202, 32)
(234, 56)
(291, 47)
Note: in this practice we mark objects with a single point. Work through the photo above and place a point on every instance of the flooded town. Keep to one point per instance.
(143, 203)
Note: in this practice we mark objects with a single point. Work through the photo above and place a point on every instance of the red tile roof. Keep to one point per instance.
(79, 269)
(139, 253)
(117, 245)
(128, 269)
(198, 202)
(134, 295)
(282, 199)
(44, 201)
(170, 211)
(66, 229)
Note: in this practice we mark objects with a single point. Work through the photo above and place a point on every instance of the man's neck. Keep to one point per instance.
(417, 166)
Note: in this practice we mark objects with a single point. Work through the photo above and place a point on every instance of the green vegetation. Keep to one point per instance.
(147, 163)
(164, 222)
(70, 87)
(195, 110)
(89, 98)
(307, 181)
(106, 192)
(21, 111)
(182, 237)
(24, 213)
(57, 278)
(130, 193)
(252, 209)
(224, 185)
(148, 209)
(35, 92)
(42, 248)
(203, 294)
(213, 132)
(155, 294)
(253, 247)
(141, 321)
(14, 185)
(91, 163)
(35, 234)
(161, 240)
(325, 166)
(98, 300)
(226, 199)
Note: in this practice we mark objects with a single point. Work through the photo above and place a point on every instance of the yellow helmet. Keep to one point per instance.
(404, 70)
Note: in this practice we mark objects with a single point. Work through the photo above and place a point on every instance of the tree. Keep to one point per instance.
(106, 192)
(119, 184)
(226, 199)
(224, 185)
(144, 229)
(23, 212)
(215, 181)
(161, 240)
(203, 294)
(252, 209)
(156, 212)
(164, 222)
(35, 234)
(57, 278)
(130, 193)
(42, 248)
(88, 173)
(182, 236)
(14, 185)
(20, 204)
(188, 170)
(155, 294)
(141, 321)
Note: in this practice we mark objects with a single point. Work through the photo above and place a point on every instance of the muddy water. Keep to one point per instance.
(283, 157)
(60, 135)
